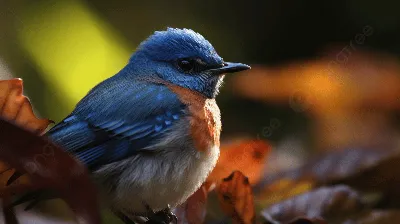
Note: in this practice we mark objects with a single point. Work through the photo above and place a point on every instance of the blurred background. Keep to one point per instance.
(326, 74)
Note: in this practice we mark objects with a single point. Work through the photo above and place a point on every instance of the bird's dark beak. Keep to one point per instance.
(230, 67)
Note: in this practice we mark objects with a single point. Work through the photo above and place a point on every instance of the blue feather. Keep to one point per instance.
(179, 43)
(98, 134)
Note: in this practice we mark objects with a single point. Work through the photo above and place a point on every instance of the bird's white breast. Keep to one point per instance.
(168, 176)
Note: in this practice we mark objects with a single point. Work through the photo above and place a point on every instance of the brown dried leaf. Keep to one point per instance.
(236, 198)
(321, 170)
(48, 167)
(382, 177)
(193, 211)
(283, 189)
(246, 156)
(326, 202)
(14, 106)
(302, 220)
(376, 217)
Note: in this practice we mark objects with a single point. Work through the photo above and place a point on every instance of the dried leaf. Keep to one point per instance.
(193, 211)
(236, 198)
(382, 177)
(326, 202)
(247, 157)
(14, 106)
(302, 220)
(8, 212)
(283, 189)
(376, 217)
(48, 167)
(321, 170)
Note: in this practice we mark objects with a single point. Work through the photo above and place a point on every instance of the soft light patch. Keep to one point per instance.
(72, 47)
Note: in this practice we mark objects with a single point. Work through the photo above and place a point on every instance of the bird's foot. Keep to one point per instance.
(164, 216)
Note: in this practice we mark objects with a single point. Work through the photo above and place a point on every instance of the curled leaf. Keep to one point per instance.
(15, 107)
(193, 211)
(326, 202)
(236, 198)
(247, 157)
(48, 167)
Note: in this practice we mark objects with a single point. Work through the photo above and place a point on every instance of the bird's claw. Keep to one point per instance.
(173, 218)
(162, 217)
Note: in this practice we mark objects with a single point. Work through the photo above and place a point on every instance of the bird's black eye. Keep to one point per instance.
(186, 65)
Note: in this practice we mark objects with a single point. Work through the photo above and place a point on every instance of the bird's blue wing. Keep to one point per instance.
(117, 120)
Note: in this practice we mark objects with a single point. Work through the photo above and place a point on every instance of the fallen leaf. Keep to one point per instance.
(376, 217)
(48, 167)
(381, 177)
(323, 203)
(302, 220)
(193, 211)
(283, 189)
(236, 198)
(16, 107)
(8, 212)
(321, 170)
(246, 156)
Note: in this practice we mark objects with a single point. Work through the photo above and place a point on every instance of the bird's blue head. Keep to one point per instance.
(184, 58)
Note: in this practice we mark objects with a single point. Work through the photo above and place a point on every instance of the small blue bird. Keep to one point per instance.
(150, 134)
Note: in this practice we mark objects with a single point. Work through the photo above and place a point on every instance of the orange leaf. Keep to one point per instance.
(236, 198)
(15, 107)
(246, 156)
(193, 211)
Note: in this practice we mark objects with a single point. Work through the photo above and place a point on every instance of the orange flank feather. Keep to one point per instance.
(205, 120)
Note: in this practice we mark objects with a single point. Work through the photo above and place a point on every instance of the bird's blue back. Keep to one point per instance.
(118, 119)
